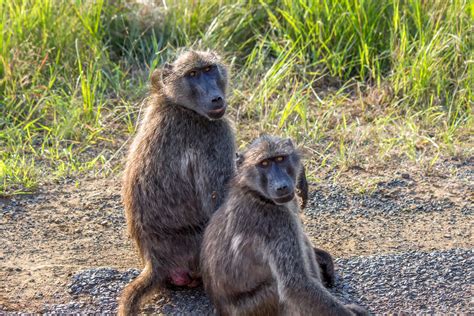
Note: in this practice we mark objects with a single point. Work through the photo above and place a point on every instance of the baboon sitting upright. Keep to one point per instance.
(255, 257)
(176, 173)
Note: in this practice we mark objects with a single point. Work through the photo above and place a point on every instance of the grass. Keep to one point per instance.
(358, 84)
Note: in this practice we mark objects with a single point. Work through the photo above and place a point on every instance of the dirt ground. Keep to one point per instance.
(65, 228)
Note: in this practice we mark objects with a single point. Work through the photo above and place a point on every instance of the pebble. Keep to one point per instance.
(336, 200)
(411, 282)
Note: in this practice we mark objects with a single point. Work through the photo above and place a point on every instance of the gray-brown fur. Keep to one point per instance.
(176, 173)
(302, 188)
(325, 260)
(256, 259)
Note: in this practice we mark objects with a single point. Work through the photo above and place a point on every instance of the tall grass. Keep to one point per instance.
(354, 82)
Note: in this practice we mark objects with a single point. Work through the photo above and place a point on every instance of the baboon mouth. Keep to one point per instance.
(217, 113)
(284, 199)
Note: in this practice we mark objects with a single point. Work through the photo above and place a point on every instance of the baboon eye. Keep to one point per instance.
(279, 158)
(192, 73)
(264, 163)
(207, 69)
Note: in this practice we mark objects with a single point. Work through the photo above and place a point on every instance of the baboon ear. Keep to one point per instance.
(287, 142)
(239, 159)
(215, 55)
(156, 80)
(166, 70)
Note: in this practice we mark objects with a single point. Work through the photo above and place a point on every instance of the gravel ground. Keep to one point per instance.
(404, 247)
(413, 282)
(388, 200)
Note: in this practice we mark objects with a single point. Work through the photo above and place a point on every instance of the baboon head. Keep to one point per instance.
(269, 167)
(196, 80)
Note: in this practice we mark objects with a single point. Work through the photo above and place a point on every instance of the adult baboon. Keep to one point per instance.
(177, 169)
(255, 257)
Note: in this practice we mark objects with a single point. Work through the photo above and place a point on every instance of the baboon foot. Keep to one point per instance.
(357, 310)
(326, 264)
(195, 283)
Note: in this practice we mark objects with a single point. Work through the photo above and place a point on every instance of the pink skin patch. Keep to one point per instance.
(180, 277)
(183, 277)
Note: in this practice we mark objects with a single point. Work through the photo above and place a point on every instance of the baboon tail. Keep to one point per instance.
(132, 294)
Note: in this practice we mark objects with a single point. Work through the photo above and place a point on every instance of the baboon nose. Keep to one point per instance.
(283, 189)
(217, 108)
(217, 102)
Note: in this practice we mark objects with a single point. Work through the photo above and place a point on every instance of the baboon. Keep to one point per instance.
(324, 259)
(179, 164)
(255, 257)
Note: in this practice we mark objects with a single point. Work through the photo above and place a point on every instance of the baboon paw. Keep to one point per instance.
(195, 283)
(357, 310)
(329, 279)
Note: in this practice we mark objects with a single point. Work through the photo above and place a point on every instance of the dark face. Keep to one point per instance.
(201, 89)
(277, 177)
(207, 90)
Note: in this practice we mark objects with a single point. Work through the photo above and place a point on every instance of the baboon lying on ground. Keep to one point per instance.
(179, 164)
(255, 258)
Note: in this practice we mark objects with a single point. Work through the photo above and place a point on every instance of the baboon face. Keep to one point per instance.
(270, 167)
(197, 80)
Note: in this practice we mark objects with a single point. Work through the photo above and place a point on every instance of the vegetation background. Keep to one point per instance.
(377, 93)
(378, 86)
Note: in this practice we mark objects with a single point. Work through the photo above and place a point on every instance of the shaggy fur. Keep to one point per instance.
(176, 173)
(256, 258)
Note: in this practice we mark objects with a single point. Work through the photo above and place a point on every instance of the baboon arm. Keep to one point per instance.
(302, 293)
(313, 264)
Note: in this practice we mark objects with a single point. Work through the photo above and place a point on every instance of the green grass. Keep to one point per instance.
(360, 83)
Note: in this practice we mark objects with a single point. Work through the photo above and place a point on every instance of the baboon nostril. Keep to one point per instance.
(282, 188)
(216, 100)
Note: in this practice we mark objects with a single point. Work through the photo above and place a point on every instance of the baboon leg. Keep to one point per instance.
(136, 290)
(314, 268)
(262, 301)
(326, 264)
